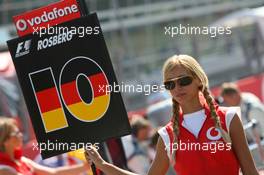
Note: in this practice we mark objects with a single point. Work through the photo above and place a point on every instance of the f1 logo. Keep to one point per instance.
(23, 48)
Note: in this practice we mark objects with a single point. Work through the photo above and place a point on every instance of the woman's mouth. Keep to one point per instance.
(180, 94)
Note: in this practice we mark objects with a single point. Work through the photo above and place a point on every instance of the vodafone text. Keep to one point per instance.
(46, 16)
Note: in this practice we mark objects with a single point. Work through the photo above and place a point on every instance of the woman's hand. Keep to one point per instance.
(92, 156)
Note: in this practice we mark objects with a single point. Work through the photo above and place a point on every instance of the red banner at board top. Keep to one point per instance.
(50, 15)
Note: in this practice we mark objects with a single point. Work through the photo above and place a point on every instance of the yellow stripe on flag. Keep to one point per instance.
(93, 111)
(54, 120)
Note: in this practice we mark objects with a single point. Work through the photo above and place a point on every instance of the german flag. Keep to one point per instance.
(86, 103)
(48, 100)
(79, 108)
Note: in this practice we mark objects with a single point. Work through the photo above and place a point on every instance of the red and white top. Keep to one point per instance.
(200, 149)
(20, 166)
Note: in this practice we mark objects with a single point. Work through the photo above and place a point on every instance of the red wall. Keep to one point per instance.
(253, 84)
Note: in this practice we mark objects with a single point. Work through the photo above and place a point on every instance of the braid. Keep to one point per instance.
(175, 111)
(175, 125)
(215, 117)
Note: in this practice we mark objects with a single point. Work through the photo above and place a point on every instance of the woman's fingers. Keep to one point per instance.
(92, 156)
(90, 153)
(88, 158)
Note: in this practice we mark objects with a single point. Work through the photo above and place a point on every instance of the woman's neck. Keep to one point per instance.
(10, 153)
(192, 106)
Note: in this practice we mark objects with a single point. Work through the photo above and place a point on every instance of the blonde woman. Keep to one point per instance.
(202, 138)
(13, 163)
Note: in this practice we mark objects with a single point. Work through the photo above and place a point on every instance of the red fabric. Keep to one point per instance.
(18, 154)
(204, 162)
(22, 168)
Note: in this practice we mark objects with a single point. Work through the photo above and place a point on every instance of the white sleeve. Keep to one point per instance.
(230, 115)
(166, 140)
(128, 145)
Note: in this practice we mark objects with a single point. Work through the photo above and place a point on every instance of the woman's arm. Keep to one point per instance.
(8, 172)
(92, 156)
(66, 170)
(159, 165)
(161, 162)
(240, 146)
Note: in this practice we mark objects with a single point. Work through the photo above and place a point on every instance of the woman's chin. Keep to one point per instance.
(181, 99)
(184, 100)
(19, 146)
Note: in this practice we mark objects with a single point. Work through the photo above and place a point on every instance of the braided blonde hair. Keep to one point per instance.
(191, 65)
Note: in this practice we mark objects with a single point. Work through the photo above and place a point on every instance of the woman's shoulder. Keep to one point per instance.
(168, 126)
(229, 111)
(166, 132)
(227, 114)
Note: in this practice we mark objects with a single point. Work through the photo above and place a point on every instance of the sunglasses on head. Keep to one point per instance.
(181, 81)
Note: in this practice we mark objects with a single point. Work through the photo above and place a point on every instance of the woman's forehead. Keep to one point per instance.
(177, 71)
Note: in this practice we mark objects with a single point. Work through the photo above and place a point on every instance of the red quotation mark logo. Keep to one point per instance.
(48, 94)
(213, 134)
(21, 25)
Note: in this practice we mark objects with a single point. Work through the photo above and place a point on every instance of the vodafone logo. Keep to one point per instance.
(21, 25)
(213, 134)
(46, 16)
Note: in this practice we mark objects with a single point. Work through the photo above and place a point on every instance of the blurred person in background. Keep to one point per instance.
(252, 111)
(136, 146)
(13, 163)
(251, 106)
(12, 105)
(197, 119)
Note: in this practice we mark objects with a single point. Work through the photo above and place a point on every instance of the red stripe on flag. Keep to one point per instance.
(48, 99)
(70, 92)
(99, 83)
